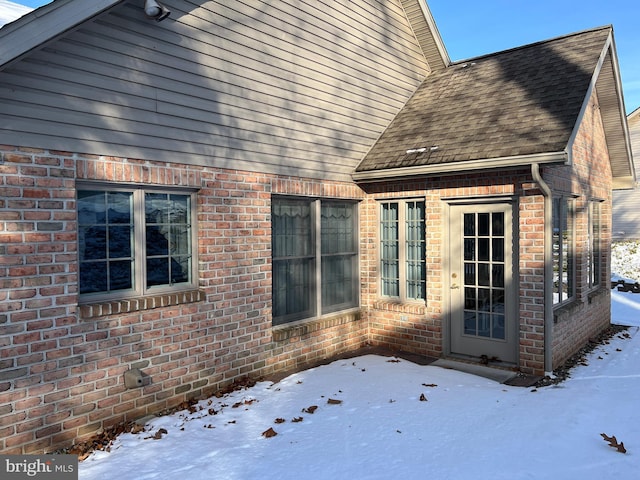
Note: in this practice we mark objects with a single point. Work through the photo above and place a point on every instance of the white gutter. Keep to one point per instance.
(548, 267)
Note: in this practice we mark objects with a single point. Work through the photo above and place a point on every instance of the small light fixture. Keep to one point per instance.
(153, 9)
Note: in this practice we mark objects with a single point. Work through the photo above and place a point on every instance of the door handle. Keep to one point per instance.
(454, 286)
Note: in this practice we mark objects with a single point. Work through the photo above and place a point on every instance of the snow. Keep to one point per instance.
(465, 427)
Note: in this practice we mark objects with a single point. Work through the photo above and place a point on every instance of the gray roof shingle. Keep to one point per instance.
(523, 101)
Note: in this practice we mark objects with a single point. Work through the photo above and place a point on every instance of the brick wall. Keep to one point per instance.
(421, 327)
(62, 365)
(588, 179)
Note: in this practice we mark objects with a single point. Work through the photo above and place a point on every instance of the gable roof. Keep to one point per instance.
(506, 109)
(45, 24)
(52, 20)
(427, 34)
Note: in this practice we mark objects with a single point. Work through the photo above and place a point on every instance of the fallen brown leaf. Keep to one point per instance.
(269, 433)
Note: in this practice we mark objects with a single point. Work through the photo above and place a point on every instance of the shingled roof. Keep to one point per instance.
(493, 110)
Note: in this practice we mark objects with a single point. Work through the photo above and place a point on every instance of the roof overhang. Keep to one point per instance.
(41, 26)
(456, 168)
(607, 84)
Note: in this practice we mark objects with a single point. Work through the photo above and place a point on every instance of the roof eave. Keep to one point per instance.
(45, 24)
(455, 168)
(607, 83)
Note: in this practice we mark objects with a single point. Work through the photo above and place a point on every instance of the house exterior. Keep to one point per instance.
(243, 189)
(626, 215)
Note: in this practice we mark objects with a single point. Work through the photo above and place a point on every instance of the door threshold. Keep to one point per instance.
(496, 374)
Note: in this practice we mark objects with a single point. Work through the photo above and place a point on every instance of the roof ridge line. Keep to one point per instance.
(529, 45)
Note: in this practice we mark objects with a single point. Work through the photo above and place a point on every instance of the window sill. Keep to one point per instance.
(95, 310)
(282, 333)
(414, 308)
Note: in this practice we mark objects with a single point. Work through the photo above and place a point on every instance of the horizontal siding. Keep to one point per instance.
(626, 214)
(626, 203)
(289, 87)
(634, 135)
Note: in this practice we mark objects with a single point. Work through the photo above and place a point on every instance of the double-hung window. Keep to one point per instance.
(595, 249)
(134, 242)
(402, 250)
(563, 250)
(315, 257)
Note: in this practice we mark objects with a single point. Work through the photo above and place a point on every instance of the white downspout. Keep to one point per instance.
(548, 267)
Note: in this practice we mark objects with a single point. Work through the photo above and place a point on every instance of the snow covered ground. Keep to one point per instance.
(380, 418)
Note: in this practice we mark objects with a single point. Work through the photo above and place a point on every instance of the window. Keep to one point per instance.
(315, 269)
(402, 250)
(134, 242)
(595, 259)
(563, 250)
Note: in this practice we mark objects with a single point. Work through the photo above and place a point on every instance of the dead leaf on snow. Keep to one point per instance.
(158, 434)
(310, 409)
(279, 420)
(613, 442)
(297, 419)
(269, 433)
(423, 398)
(333, 401)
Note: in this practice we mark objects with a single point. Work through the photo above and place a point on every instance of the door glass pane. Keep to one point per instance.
(498, 275)
(484, 300)
(483, 249)
(470, 298)
(484, 278)
(469, 224)
(470, 327)
(470, 274)
(469, 249)
(484, 274)
(498, 327)
(484, 325)
(483, 225)
(497, 249)
(497, 223)
(497, 301)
